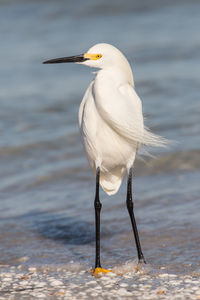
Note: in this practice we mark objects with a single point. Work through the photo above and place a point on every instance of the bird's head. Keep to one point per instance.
(99, 56)
(102, 56)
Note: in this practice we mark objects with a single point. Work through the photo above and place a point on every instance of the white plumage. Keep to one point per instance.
(111, 119)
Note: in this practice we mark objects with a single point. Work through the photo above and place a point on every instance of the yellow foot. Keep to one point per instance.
(97, 271)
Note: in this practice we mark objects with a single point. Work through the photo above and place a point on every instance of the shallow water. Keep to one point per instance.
(46, 186)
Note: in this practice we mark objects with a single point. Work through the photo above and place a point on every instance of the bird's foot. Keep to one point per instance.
(99, 270)
(140, 264)
(142, 261)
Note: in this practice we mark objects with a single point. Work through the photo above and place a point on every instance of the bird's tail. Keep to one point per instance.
(111, 181)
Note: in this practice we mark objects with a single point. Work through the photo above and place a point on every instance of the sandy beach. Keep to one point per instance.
(76, 283)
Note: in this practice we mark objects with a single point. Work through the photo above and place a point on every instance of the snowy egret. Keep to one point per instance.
(112, 128)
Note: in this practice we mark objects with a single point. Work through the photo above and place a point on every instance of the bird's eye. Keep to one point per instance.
(98, 56)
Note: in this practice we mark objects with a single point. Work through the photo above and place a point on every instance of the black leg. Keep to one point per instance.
(129, 203)
(97, 206)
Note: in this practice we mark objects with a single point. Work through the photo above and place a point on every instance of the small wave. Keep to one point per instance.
(131, 267)
(71, 165)
(170, 162)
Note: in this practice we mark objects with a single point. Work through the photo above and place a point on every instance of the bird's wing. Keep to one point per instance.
(122, 111)
(81, 108)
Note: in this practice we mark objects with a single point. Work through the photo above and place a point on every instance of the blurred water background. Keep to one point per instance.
(46, 186)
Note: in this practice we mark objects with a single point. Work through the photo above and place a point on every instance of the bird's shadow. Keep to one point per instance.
(66, 230)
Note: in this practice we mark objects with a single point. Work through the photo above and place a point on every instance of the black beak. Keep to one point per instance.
(69, 59)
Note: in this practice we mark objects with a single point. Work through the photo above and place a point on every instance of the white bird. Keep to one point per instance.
(112, 128)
